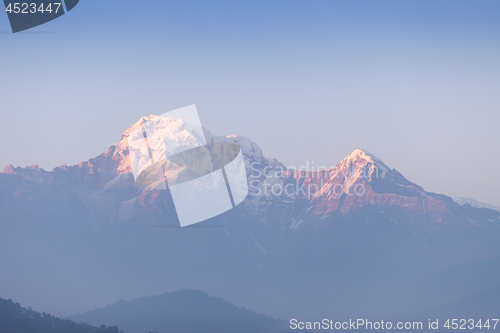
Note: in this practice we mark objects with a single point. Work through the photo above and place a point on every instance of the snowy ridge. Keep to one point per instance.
(474, 203)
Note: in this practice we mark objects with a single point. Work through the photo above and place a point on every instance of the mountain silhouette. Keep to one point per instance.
(182, 311)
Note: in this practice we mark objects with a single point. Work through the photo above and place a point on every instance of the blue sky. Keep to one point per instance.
(414, 82)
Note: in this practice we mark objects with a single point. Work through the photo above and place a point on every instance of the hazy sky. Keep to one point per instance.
(417, 83)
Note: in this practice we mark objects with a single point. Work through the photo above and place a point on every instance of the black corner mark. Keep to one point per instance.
(26, 14)
(70, 4)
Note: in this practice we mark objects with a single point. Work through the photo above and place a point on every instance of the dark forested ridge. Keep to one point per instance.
(16, 319)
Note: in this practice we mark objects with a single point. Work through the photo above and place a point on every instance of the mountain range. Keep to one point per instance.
(355, 240)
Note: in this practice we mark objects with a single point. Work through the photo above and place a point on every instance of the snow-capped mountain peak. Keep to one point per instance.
(176, 132)
(363, 156)
(361, 159)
